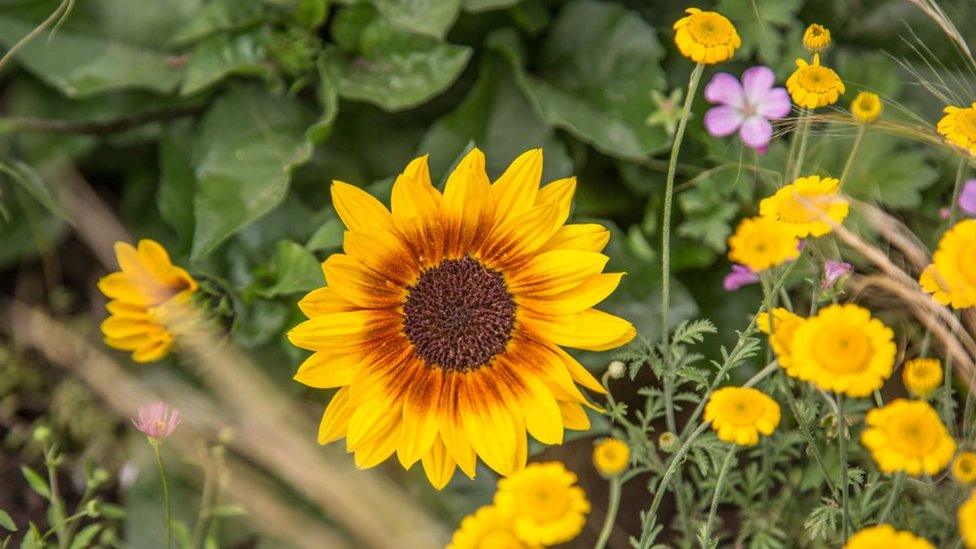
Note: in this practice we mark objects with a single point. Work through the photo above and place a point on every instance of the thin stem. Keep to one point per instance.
(808, 437)
(96, 127)
(892, 497)
(57, 504)
(612, 506)
(762, 374)
(706, 537)
(204, 511)
(842, 448)
(63, 8)
(804, 132)
(861, 130)
(956, 189)
(167, 516)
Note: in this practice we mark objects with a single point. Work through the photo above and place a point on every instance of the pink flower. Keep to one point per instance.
(833, 270)
(739, 276)
(945, 213)
(157, 420)
(967, 197)
(746, 107)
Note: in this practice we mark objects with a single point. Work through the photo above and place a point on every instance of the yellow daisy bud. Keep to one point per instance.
(958, 126)
(816, 38)
(813, 86)
(610, 456)
(866, 107)
(740, 414)
(964, 467)
(922, 376)
(706, 37)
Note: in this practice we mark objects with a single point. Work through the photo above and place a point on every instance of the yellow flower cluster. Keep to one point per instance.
(958, 126)
(740, 414)
(951, 278)
(537, 506)
(706, 37)
(611, 456)
(922, 376)
(908, 436)
(884, 535)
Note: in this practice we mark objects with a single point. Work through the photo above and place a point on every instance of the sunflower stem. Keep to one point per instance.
(804, 132)
(706, 536)
(861, 130)
(842, 448)
(896, 487)
(612, 506)
(167, 510)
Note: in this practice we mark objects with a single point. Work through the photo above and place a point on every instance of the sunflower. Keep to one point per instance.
(964, 467)
(442, 322)
(958, 126)
(706, 36)
(951, 278)
(813, 86)
(611, 456)
(816, 38)
(908, 436)
(922, 376)
(761, 243)
(843, 349)
(780, 331)
(967, 521)
(141, 293)
(488, 528)
(544, 502)
(740, 414)
(884, 536)
(866, 107)
(806, 204)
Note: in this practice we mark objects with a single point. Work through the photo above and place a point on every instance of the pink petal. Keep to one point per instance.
(739, 277)
(967, 198)
(724, 89)
(756, 132)
(776, 104)
(723, 120)
(756, 82)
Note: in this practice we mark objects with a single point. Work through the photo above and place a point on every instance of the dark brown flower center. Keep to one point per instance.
(459, 315)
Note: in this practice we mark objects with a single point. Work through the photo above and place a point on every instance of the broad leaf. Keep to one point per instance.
(36, 482)
(176, 180)
(763, 26)
(487, 5)
(223, 55)
(294, 269)
(431, 17)
(7, 522)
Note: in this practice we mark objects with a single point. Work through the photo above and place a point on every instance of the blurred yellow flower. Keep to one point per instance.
(761, 243)
(967, 521)
(844, 349)
(141, 293)
(783, 327)
(544, 502)
(951, 278)
(813, 86)
(964, 467)
(611, 456)
(816, 38)
(806, 204)
(932, 282)
(866, 107)
(487, 528)
(706, 37)
(884, 536)
(922, 376)
(443, 321)
(908, 436)
(740, 414)
(958, 126)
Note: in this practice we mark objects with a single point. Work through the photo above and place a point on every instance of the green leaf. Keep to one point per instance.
(33, 539)
(81, 64)
(327, 237)
(487, 5)
(350, 22)
(328, 99)
(762, 24)
(219, 16)
(176, 179)
(295, 270)
(85, 536)
(36, 482)
(601, 63)
(227, 511)
(249, 142)
(311, 13)
(887, 171)
(30, 181)
(398, 69)
(430, 17)
(7, 522)
(222, 55)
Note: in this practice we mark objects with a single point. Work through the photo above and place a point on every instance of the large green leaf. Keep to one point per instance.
(176, 180)
(431, 17)
(221, 55)
(764, 26)
(81, 64)
(249, 141)
(600, 64)
(293, 269)
(487, 5)
(884, 170)
(220, 15)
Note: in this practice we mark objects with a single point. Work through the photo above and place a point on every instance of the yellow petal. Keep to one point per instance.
(574, 416)
(466, 207)
(358, 209)
(383, 253)
(587, 294)
(438, 464)
(541, 413)
(580, 374)
(324, 370)
(335, 419)
(421, 419)
(322, 301)
(379, 446)
(349, 278)
(156, 260)
(515, 191)
(560, 192)
(591, 330)
(127, 310)
(489, 425)
(334, 330)
(413, 195)
(589, 237)
(521, 236)
(153, 350)
(117, 327)
(552, 273)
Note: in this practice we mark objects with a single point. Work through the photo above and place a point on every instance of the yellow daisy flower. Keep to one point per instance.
(611, 456)
(843, 349)
(958, 126)
(922, 376)
(813, 86)
(783, 327)
(967, 521)
(964, 467)
(866, 107)
(816, 38)
(951, 279)
(488, 528)
(884, 536)
(141, 292)
(544, 502)
(761, 243)
(443, 321)
(706, 36)
(908, 436)
(740, 414)
(804, 204)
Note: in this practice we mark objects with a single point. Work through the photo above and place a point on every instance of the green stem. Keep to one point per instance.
(63, 8)
(167, 517)
(842, 447)
(863, 129)
(804, 132)
(762, 374)
(612, 506)
(706, 537)
(808, 437)
(892, 497)
(57, 504)
(204, 511)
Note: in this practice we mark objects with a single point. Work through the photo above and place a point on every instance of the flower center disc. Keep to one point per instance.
(816, 79)
(710, 30)
(459, 315)
(843, 350)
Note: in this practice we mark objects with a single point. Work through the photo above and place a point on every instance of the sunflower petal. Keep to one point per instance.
(421, 418)
(574, 416)
(515, 191)
(324, 370)
(358, 209)
(413, 195)
(438, 464)
(335, 419)
(560, 192)
(466, 208)
(588, 237)
(325, 300)
(591, 329)
(383, 253)
(489, 425)
(587, 294)
(349, 278)
(555, 272)
(521, 236)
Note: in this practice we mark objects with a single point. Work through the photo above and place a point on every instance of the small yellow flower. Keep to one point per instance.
(806, 204)
(740, 414)
(866, 107)
(142, 293)
(844, 349)
(908, 436)
(813, 86)
(958, 126)
(967, 521)
(951, 279)
(544, 502)
(922, 376)
(706, 37)
(964, 467)
(783, 327)
(885, 536)
(488, 528)
(761, 243)
(611, 456)
(816, 38)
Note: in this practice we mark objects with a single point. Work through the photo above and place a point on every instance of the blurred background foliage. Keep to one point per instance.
(215, 126)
